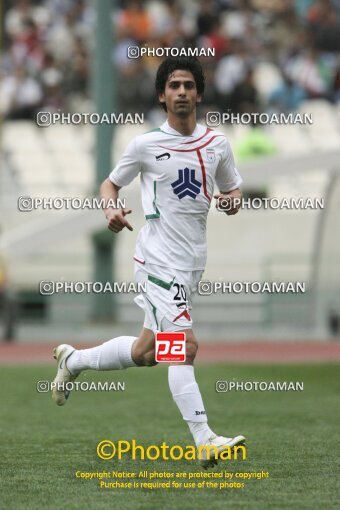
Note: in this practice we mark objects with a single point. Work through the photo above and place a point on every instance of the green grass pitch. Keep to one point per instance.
(293, 435)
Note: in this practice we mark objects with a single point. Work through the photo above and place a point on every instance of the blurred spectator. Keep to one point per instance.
(134, 21)
(311, 71)
(287, 97)
(20, 95)
(214, 37)
(52, 80)
(301, 8)
(76, 76)
(336, 86)
(324, 25)
(230, 71)
(16, 16)
(207, 17)
(133, 97)
(244, 98)
(28, 46)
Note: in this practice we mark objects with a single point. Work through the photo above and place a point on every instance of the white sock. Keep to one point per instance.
(186, 394)
(112, 355)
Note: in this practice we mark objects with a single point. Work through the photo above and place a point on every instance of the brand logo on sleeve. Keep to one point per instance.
(163, 156)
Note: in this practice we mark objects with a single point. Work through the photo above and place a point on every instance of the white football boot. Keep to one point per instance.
(59, 391)
(207, 456)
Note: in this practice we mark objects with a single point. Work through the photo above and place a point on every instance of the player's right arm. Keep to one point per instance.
(115, 217)
(124, 172)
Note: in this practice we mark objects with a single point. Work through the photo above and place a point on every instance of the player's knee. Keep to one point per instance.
(138, 354)
(149, 359)
(143, 358)
(191, 349)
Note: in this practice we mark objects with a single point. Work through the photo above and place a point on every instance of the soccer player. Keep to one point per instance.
(178, 165)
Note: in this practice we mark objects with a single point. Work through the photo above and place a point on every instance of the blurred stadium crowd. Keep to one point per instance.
(47, 47)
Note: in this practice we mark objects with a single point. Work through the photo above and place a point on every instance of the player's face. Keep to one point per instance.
(180, 94)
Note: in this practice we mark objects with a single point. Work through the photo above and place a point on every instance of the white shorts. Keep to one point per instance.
(167, 301)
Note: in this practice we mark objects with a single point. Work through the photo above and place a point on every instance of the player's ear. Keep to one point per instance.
(161, 97)
(198, 99)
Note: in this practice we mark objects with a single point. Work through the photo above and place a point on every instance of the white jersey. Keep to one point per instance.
(177, 182)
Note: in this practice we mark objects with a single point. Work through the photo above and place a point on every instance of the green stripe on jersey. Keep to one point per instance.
(152, 216)
(159, 282)
(154, 311)
(161, 131)
(156, 214)
(152, 131)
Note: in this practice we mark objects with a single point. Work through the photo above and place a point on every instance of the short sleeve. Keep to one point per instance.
(128, 167)
(227, 177)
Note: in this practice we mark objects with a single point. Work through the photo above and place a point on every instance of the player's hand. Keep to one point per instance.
(228, 202)
(117, 221)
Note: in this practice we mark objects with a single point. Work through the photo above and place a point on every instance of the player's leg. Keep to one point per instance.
(186, 393)
(167, 306)
(143, 349)
(116, 354)
(187, 396)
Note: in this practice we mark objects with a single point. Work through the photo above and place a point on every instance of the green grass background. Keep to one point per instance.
(293, 435)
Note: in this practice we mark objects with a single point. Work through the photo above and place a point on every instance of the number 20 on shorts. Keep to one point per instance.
(170, 347)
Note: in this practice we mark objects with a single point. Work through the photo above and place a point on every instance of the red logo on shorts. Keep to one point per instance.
(170, 347)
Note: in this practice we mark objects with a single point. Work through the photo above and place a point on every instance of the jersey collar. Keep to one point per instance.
(198, 131)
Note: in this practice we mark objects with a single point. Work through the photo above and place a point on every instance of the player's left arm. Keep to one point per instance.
(228, 180)
(230, 201)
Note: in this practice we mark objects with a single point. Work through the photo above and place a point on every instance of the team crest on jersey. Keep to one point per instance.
(211, 155)
(186, 184)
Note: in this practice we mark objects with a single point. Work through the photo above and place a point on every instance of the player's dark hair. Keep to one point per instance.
(171, 64)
